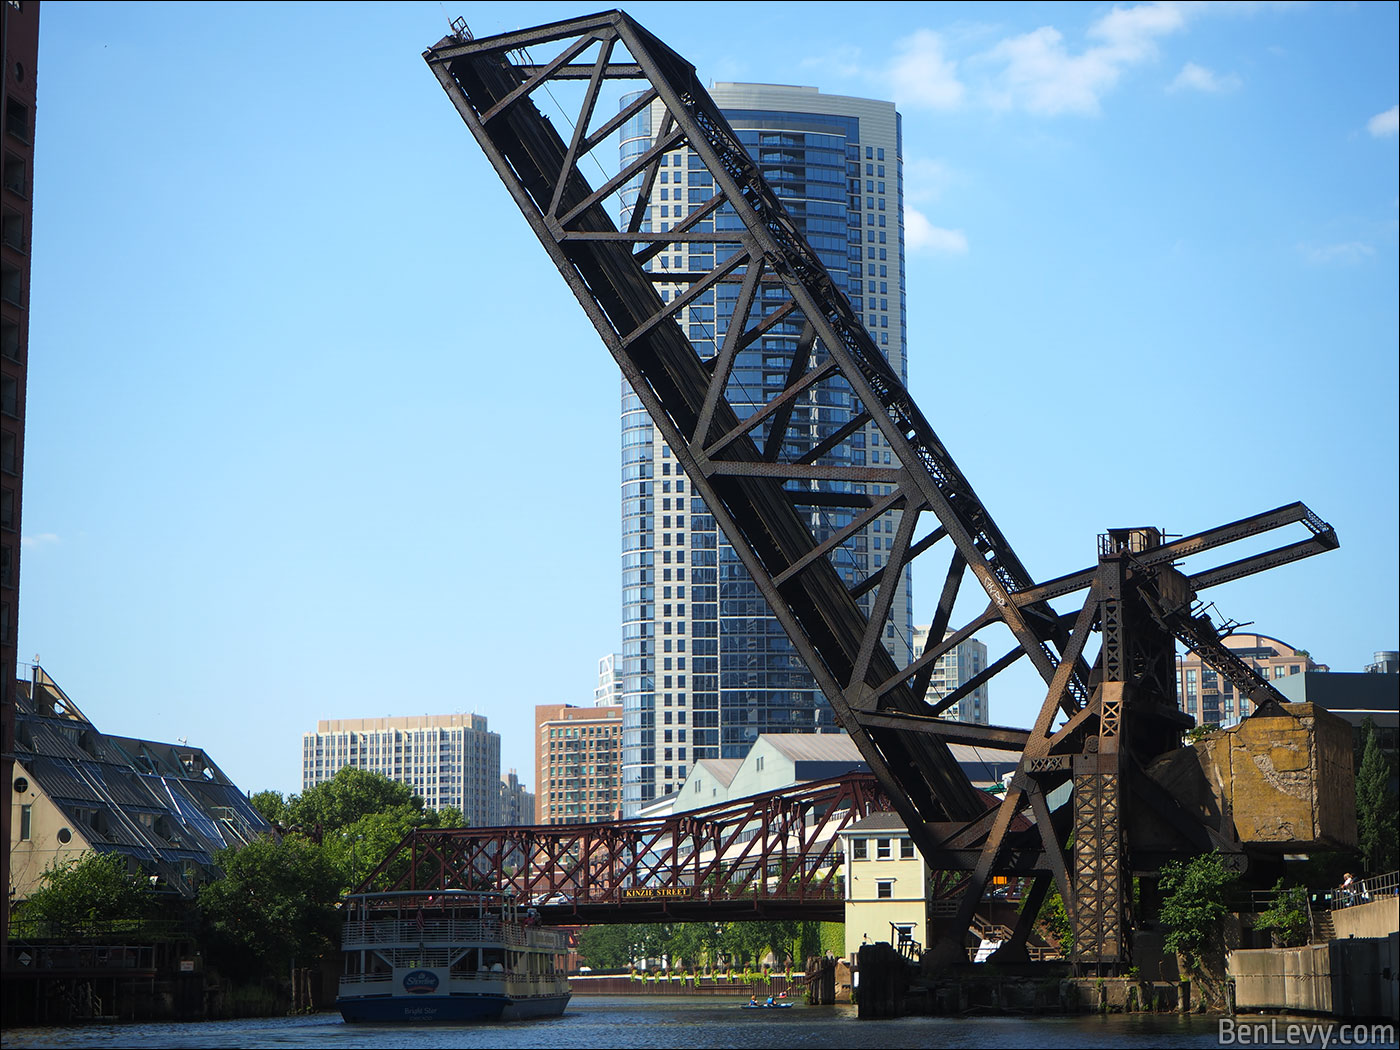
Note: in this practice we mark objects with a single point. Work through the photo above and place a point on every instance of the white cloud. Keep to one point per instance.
(1347, 252)
(923, 76)
(1385, 125)
(844, 61)
(40, 540)
(926, 179)
(1041, 75)
(1198, 78)
(922, 235)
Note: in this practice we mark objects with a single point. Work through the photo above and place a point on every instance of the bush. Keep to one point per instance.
(1287, 919)
(1194, 905)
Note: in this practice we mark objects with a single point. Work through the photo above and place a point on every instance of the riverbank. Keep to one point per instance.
(666, 985)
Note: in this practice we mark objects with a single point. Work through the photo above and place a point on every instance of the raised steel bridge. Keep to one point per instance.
(770, 478)
(771, 856)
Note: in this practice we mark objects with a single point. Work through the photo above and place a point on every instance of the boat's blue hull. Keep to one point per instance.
(454, 1009)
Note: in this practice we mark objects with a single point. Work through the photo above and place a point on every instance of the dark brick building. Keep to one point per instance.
(19, 25)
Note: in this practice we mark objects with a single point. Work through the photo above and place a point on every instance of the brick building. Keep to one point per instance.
(577, 763)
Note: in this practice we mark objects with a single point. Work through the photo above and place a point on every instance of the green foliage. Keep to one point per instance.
(361, 816)
(351, 794)
(93, 888)
(606, 947)
(696, 945)
(271, 806)
(276, 902)
(360, 847)
(690, 943)
(1376, 806)
(1194, 904)
(619, 946)
(448, 817)
(1200, 732)
(1054, 923)
(1287, 918)
(833, 939)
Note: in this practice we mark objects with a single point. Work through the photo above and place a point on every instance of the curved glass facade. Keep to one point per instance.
(706, 666)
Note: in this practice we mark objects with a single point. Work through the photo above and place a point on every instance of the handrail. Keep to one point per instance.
(1364, 891)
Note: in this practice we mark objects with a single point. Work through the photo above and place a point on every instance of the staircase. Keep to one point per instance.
(1322, 928)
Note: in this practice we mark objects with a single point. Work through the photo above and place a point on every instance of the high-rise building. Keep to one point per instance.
(958, 665)
(706, 667)
(1210, 697)
(517, 801)
(608, 692)
(449, 760)
(577, 771)
(17, 109)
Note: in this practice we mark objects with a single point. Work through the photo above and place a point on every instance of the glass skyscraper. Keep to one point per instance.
(706, 667)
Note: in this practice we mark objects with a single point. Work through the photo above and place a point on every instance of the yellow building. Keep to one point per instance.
(887, 884)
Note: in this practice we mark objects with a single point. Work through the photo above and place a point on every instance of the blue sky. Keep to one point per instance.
(316, 431)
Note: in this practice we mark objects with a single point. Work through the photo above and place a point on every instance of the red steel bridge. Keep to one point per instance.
(773, 477)
(773, 856)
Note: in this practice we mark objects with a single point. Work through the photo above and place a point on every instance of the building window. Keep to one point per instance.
(26, 820)
(884, 889)
(17, 119)
(882, 849)
(858, 849)
(906, 849)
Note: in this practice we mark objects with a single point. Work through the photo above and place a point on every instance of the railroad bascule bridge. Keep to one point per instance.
(1104, 790)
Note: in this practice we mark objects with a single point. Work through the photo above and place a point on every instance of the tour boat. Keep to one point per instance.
(447, 955)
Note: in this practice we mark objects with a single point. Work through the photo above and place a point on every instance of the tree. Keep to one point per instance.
(689, 943)
(360, 847)
(335, 804)
(276, 903)
(271, 806)
(93, 888)
(615, 947)
(447, 817)
(750, 940)
(1287, 918)
(1375, 805)
(606, 947)
(1195, 904)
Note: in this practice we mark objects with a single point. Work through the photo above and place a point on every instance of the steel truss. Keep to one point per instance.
(774, 855)
(767, 481)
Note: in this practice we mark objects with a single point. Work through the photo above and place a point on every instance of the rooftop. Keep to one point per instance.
(166, 807)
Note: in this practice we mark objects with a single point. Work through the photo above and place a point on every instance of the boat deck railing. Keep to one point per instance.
(387, 932)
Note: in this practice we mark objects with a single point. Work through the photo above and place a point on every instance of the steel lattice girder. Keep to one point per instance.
(768, 851)
(747, 485)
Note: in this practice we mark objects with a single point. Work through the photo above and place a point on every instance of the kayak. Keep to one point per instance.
(768, 1006)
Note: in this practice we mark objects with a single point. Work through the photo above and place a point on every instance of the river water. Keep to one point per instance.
(637, 1022)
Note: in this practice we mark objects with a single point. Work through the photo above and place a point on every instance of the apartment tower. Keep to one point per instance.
(706, 668)
(954, 668)
(577, 763)
(448, 760)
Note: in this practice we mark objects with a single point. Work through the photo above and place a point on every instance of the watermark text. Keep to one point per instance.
(1278, 1032)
